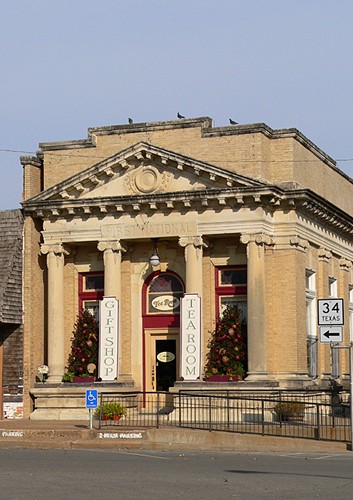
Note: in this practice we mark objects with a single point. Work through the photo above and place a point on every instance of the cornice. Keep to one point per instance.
(35, 161)
(271, 198)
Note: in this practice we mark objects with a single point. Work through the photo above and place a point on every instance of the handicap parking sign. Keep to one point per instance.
(91, 398)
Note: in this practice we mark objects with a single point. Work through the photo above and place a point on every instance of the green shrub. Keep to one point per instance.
(289, 409)
(111, 409)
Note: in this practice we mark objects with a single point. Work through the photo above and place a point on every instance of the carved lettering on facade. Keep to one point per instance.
(126, 231)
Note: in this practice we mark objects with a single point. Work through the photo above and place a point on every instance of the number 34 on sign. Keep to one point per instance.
(330, 312)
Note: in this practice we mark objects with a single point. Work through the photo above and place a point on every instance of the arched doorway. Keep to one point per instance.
(161, 296)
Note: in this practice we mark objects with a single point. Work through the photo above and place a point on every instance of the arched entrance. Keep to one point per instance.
(161, 296)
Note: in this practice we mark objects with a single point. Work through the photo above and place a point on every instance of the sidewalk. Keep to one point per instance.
(25, 433)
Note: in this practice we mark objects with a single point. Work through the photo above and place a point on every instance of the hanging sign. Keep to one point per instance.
(108, 338)
(190, 336)
(165, 357)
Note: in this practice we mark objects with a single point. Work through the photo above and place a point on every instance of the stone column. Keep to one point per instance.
(193, 261)
(112, 255)
(56, 342)
(256, 297)
(193, 284)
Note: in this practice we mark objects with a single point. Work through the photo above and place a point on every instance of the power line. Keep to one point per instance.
(88, 157)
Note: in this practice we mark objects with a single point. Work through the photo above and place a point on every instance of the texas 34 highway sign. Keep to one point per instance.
(330, 319)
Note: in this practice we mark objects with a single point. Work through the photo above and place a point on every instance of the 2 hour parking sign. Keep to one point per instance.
(330, 312)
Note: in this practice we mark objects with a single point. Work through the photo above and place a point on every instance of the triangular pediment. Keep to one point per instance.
(141, 170)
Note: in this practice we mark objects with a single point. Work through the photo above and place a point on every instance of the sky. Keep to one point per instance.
(67, 65)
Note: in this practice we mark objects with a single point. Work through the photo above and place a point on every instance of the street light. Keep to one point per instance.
(154, 259)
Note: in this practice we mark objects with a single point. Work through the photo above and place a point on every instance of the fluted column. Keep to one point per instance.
(112, 256)
(193, 263)
(256, 297)
(56, 347)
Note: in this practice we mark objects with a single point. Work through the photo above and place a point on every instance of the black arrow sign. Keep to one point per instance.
(329, 334)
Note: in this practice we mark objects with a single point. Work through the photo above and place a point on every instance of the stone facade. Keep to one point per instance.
(268, 202)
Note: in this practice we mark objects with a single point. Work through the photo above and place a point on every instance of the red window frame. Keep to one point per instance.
(228, 290)
(86, 295)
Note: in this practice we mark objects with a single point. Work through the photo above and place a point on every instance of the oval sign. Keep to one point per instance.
(165, 357)
(165, 303)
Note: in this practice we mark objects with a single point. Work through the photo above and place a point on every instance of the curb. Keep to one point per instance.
(160, 439)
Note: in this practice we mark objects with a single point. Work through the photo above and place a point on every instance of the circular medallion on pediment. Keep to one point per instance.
(147, 179)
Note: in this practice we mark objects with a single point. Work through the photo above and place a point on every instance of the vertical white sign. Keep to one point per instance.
(190, 336)
(108, 338)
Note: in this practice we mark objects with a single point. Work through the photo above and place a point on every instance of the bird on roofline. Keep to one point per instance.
(130, 120)
(180, 116)
(232, 122)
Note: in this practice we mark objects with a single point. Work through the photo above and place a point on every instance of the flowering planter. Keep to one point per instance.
(83, 380)
(224, 378)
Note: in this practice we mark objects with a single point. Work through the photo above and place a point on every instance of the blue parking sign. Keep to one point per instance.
(91, 398)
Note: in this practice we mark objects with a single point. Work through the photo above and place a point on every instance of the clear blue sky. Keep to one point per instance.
(67, 65)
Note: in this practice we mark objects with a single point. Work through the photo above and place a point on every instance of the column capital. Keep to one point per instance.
(113, 245)
(324, 254)
(55, 248)
(197, 241)
(299, 243)
(345, 264)
(258, 238)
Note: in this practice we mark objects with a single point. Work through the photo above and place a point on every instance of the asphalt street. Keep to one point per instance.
(100, 474)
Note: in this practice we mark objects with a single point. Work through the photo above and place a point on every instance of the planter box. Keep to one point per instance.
(83, 380)
(224, 378)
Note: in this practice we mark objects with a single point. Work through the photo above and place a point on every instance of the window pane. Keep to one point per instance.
(232, 277)
(94, 282)
(312, 356)
(93, 307)
(240, 303)
(166, 283)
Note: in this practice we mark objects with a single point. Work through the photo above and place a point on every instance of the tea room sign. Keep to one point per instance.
(190, 336)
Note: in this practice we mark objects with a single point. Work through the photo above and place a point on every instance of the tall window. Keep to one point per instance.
(332, 284)
(91, 289)
(231, 289)
(311, 331)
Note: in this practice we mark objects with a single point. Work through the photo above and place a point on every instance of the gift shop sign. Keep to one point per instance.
(190, 336)
(108, 338)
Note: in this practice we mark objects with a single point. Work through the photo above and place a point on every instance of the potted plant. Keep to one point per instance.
(226, 358)
(111, 410)
(290, 411)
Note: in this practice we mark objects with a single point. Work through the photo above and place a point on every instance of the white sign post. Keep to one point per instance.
(108, 338)
(190, 336)
(330, 320)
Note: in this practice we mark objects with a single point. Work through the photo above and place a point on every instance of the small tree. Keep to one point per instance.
(227, 345)
(84, 346)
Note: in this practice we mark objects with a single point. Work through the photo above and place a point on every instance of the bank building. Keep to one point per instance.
(157, 220)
